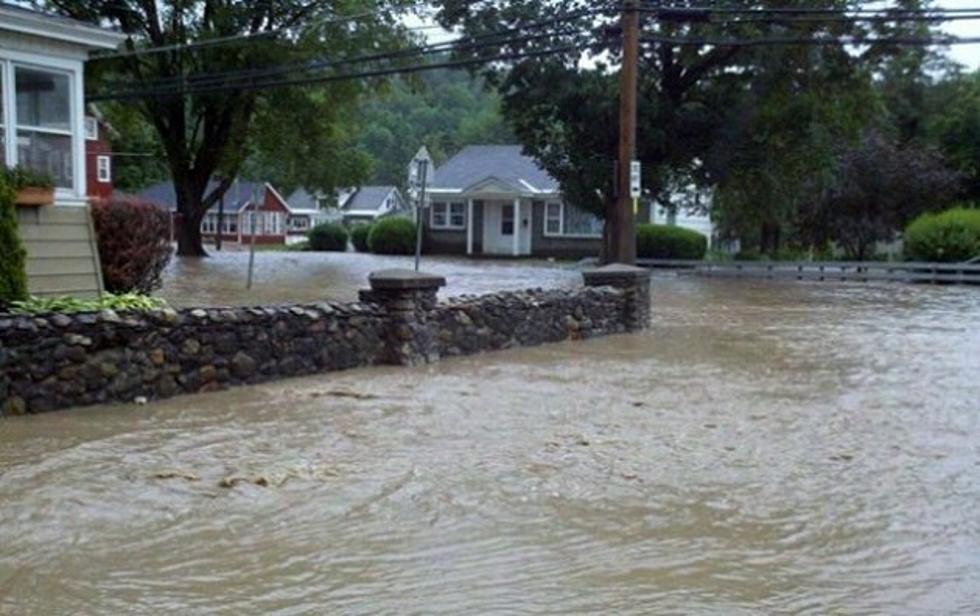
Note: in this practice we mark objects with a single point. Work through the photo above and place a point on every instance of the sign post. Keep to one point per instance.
(418, 176)
(636, 187)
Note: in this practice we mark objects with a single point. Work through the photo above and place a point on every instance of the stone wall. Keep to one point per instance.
(50, 362)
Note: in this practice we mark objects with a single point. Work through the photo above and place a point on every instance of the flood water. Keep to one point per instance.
(764, 448)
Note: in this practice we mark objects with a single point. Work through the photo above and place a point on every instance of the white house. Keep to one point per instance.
(42, 126)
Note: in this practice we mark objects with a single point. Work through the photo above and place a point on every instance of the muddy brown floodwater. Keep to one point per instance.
(764, 448)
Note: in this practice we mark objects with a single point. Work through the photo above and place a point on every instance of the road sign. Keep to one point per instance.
(635, 179)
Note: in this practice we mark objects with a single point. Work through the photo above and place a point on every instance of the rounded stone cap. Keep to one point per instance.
(614, 272)
(406, 279)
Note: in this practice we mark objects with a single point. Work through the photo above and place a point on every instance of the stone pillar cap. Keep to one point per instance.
(615, 271)
(395, 279)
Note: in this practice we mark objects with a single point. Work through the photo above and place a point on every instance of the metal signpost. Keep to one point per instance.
(254, 217)
(418, 179)
(635, 185)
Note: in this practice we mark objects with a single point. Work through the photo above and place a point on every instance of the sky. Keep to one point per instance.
(967, 55)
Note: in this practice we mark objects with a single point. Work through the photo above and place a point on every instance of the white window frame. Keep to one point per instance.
(447, 210)
(561, 224)
(73, 69)
(91, 128)
(103, 168)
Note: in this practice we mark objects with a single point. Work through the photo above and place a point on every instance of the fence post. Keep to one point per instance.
(407, 297)
(634, 282)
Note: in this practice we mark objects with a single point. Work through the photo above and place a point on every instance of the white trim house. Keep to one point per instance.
(492, 200)
(42, 126)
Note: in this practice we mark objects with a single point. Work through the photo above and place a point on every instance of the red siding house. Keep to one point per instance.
(244, 203)
(98, 158)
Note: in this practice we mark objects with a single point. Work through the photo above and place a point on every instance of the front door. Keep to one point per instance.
(499, 226)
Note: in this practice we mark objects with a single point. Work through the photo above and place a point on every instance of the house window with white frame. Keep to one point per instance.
(563, 220)
(103, 168)
(229, 224)
(448, 215)
(43, 122)
(209, 224)
(91, 129)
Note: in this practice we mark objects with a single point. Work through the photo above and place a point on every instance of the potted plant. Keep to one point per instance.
(32, 188)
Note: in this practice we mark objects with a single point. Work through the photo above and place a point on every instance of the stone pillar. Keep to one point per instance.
(407, 297)
(634, 281)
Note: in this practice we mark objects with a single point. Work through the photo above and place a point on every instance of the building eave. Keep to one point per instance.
(43, 26)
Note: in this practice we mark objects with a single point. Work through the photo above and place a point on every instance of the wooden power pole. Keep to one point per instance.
(622, 244)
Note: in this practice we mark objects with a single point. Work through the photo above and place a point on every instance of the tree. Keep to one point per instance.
(955, 128)
(878, 186)
(208, 132)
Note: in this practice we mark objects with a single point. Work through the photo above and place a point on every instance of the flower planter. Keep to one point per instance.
(32, 196)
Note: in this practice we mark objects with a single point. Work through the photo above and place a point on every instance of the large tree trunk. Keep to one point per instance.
(191, 211)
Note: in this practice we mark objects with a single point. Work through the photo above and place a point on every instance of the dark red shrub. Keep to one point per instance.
(134, 244)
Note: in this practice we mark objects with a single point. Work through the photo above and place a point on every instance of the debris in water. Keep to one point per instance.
(343, 393)
(842, 457)
(176, 474)
(637, 403)
(140, 400)
(710, 426)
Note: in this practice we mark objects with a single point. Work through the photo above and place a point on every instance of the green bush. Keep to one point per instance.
(328, 236)
(359, 236)
(667, 242)
(392, 236)
(950, 236)
(13, 275)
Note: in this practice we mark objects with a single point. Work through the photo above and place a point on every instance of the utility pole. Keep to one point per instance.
(621, 218)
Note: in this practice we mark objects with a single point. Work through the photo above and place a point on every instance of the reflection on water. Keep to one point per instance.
(764, 448)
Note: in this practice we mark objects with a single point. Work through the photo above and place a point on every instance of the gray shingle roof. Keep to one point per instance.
(237, 197)
(476, 163)
(301, 199)
(368, 198)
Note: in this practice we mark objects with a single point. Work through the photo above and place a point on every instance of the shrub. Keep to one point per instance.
(134, 244)
(328, 236)
(359, 236)
(392, 236)
(13, 275)
(950, 236)
(667, 242)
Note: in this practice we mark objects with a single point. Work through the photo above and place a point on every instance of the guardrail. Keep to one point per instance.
(863, 271)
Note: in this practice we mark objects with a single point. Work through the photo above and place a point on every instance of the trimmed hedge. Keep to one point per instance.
(667, 242)
(134, 244)
(392, 236)
(13, 272)
(950, 236)
(328, 236)
(359, 236)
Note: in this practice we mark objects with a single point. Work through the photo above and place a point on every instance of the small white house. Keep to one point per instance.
(42, 126)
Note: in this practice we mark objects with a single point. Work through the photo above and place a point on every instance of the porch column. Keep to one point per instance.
(469, 226)
(516, 250)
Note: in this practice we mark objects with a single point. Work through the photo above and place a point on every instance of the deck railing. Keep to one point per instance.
(863, 271)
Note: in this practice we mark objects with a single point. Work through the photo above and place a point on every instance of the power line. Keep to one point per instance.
(836, 41)
(452, 45)
(223, 40)
(384, 72)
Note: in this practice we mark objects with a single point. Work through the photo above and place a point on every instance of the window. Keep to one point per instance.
(448, 215)
(561, 219)
(229, 224)
(209, 224)
(43, 121)
(103, 168)
(3, 126)
(91, 129)
(507, 220)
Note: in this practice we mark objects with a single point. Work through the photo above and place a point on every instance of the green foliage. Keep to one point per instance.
(328, 236)
(955, 128)
(144, 161)
(13, 276)
(359, 236)
(392, 236)
(24, 177)
(668, 242)
(951, 236)
(206, 133)
(129, 302)
(443, 110)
